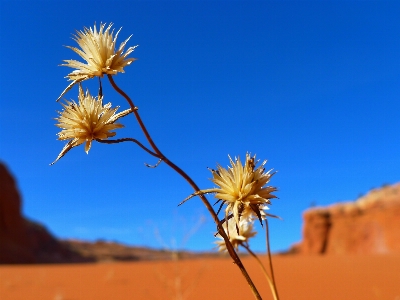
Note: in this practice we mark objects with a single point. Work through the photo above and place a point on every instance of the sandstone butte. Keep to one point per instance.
(369, 225)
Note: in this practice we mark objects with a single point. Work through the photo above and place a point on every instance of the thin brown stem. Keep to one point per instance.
(221, 231)
(135, 111)
(270, 258)
(271, 284)
(129, 140)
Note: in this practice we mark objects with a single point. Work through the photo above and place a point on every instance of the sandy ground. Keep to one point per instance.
(298, 277)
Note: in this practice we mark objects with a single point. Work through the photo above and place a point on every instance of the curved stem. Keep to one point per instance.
(129, 140)
(135, 111)
(270, 259)
(271, 284)
(221, 231)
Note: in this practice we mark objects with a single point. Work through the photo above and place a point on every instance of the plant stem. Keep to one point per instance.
(128, 140)
(271, 284)
(221, 231)
(270, 259)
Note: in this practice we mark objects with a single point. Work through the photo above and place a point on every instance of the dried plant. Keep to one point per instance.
(241, 187)
(98, 50)
(86, 121)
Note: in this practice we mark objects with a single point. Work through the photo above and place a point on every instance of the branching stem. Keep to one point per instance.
(129, 140)
(221, 231)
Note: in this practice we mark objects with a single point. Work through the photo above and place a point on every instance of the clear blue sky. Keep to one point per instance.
(312, 86)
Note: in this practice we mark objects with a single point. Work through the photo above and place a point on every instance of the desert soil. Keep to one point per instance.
(298, 277)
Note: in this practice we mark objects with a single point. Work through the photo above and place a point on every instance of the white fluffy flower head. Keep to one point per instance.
(242, 188)
(98, 49)
(86, 121)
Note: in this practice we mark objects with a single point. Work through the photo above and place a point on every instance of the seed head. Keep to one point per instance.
(86, 121)
(98, 49)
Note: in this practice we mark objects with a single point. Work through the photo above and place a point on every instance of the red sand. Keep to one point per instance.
(298, 277)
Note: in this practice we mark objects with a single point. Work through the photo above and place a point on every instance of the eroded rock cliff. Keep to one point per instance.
(368, 225)
(23, 241)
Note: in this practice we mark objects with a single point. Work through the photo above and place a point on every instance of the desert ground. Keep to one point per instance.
(298, 277)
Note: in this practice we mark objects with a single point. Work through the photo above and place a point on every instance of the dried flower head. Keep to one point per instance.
(98, 50)
(238, 234)
(241, 188)
(87, 121)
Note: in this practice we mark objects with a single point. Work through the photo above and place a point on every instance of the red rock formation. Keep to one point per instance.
(315, 233)
(23, 241)
(14, 241)
(368, 225)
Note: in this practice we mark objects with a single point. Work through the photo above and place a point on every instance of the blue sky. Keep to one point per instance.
(312, 86)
